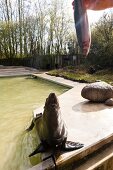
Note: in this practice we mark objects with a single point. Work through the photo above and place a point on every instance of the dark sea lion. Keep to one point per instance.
(51, 128)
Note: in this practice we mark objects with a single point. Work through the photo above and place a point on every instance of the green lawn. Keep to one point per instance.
(82, 75)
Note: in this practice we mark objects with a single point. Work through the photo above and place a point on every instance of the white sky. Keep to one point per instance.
(93, 16)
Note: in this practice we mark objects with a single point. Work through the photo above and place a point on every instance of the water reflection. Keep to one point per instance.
(19, 158)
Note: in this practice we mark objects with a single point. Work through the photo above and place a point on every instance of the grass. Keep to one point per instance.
(81, 75)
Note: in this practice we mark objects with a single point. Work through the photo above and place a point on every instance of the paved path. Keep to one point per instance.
(58, 80)
(16, 71)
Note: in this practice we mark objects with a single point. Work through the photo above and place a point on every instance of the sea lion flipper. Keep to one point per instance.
(39, 115)
(70, 146)
(30, 127)
(39, 149)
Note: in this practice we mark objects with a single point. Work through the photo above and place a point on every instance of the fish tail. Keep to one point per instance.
(82, 26)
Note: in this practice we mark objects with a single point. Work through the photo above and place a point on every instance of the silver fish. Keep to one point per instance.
(82, 26)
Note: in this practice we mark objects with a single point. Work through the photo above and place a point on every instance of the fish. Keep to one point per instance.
(81, 20)
(82, 26)
(51, 128)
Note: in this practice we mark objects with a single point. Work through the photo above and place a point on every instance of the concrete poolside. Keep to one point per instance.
(6, 71)
(88, 123)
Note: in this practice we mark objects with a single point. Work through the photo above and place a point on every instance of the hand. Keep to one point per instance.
(97, 4)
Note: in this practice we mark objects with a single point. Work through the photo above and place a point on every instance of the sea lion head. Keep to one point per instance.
(52, 101)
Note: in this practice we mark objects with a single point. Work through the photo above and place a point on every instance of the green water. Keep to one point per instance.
(18, 98)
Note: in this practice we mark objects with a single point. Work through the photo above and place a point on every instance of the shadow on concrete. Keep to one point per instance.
(88, 106)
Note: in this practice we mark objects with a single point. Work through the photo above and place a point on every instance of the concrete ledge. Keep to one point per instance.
(102, 160)
(57, 80)
(47, 164)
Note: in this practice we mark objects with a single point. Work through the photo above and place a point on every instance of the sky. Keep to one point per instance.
(93, 16)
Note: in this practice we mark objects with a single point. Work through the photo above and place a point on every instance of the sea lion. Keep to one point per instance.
(51, 128)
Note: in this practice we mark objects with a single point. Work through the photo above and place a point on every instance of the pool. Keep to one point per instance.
(19, 96)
